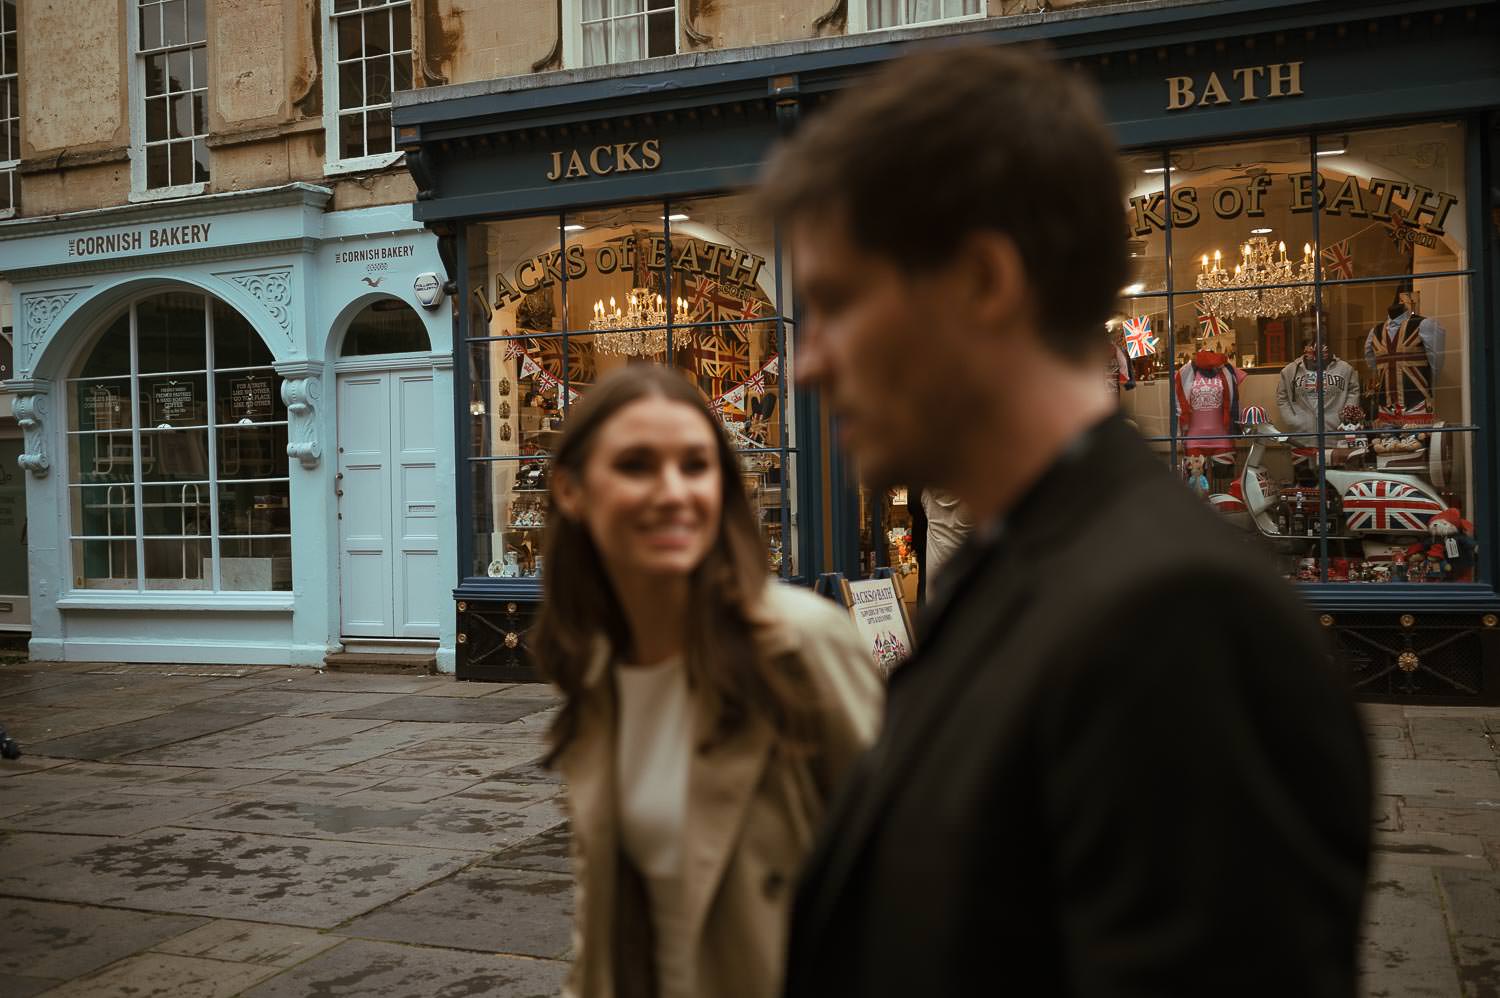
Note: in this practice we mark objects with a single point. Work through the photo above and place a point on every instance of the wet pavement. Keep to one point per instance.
(197, 832)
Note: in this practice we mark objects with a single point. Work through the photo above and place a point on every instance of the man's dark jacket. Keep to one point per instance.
(1121, 764)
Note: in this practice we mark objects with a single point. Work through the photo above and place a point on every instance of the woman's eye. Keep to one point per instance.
(695, 466)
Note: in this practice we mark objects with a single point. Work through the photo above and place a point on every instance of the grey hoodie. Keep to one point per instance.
(1297, 395)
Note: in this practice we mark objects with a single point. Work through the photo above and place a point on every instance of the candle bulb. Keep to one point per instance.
(1205, 263)
(1307, 249)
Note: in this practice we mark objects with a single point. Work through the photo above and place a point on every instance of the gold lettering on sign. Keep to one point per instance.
(601, 161)
(1278, 79)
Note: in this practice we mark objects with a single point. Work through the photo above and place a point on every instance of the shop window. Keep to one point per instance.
(385, 326)
(177, 464)
(871, 15)
(610, 31)
(1305, 364)
(172, 83)
(10, 111)
(555, 303)
(367, 52)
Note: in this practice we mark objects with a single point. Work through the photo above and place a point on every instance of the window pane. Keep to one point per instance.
(256, 564)
(200, 67)
(8, 15)
(254, 508)
(103, 510)
(177, 510)
(252, 452)
(100, 405)
(339, 6)
(401, 25)
(594, 9)
(377, 33)
(174, 22)
(196, 31)
(200, 161)
(662, 34)
(379, 137)
(157, 174)
(510, 511)
(764, 484)
(596, 44)
(236, 344)
(179, 564)
(101, 458)
(181, 163)
(150, 27)
(350, 43)
(629, 39)
(1136, 370)
(385, 326)
(111, 351)
(378, 81)
(200, 115)
(174, 455)
(179, 71)
(352, 135)
(1144, 180)
(10, 63)
(170, 332)
(156, 75)
(402, 80)
(180, 116)
(156, 119)
(245, 397)
(7, 194)
(352, 84)
(104, 564)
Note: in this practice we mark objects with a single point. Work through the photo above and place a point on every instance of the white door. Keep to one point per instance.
(388, 505)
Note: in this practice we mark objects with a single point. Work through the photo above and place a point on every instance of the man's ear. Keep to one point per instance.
(567, 494)
(997, 277)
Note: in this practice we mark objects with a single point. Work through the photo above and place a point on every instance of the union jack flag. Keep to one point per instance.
(1338, 261)
(1138, 339)
(1208, 323)
(1381, 504)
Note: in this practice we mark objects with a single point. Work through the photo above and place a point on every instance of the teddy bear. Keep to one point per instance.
(1195, 470)
(1453, 540)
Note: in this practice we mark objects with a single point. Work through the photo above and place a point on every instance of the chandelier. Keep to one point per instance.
(624, 332)
(1240, 293)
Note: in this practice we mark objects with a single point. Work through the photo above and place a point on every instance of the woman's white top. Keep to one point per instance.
(655, 747)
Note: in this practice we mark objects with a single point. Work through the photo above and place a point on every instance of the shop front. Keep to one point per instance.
(234, 413)
(1307, 338)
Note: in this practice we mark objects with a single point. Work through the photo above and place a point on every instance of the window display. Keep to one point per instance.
(557, 302)
(177, 453)
(1307, 366)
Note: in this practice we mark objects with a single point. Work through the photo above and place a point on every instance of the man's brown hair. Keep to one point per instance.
(936, 146)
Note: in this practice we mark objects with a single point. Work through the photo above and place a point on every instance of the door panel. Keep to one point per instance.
(364, 508)
(419, 595)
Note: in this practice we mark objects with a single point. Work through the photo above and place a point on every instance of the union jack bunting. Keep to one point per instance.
(1208, 324)
(1138, 339)
(1338, 261)
(1381, 504)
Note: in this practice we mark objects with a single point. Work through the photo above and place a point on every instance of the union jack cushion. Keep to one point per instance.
(1381, 504)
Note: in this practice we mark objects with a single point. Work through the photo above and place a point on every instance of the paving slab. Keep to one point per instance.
(13, 986)
(526, 912)
(514, 793)
(25, 849)
(354, 682)
(250, 942)
(122, 773)
(1451, 738)
(44, 724)
(46, 939)
(439, 825)
(147, 698)
(473, 750)
(1430, 849)
(1438, 778)
(1382, 713)
(29, 764)
(1404, 949)
(77, 688)
(110, 814)
(1386, 814)
(302, 786)
(547, 852)
(205, 782)
(1385, 732)
(462, 688)
(162, 975)
(1472, 899)
(293, 881)
(145, 735)
(438, 769)
(293, 703)
(406, 790)
(1478, 965)
(245, 739)
(485, 710)
(361, 969)
(35, 790)
(1449, 818)
(379, 739)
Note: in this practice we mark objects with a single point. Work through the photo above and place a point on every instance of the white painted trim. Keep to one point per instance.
(162, 193)
(859, 22)
(416, 361)
(194, 652)
(136, 90)
(168, 600)
(365, 164)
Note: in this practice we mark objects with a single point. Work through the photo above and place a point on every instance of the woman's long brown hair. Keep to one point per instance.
(726, 645)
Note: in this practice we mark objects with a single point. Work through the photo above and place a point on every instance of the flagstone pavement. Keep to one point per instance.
(207, 832)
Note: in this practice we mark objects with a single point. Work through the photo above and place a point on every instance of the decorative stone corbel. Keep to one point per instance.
(30, 410)
(301, 390)
(836, 16)
(693, 10)
(553, 58)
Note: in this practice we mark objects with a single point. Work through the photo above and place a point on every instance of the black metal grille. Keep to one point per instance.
(492, 641)
(1448, 658)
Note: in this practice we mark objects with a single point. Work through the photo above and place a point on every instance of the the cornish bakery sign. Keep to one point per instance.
(135, 240)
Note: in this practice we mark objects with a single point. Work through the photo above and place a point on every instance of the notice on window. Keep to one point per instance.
(250, 398)
(880, 618)
(105, 405)
(172, 402)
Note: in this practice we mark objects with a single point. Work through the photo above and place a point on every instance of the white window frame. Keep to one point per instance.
(859, 21)
(333, 161)
(572, 36)
(139, 191)
(11, 168)
(214, 593)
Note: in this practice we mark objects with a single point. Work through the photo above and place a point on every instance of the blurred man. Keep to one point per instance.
(1120, 761)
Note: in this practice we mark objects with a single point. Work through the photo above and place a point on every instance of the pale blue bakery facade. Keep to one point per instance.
(237, 446)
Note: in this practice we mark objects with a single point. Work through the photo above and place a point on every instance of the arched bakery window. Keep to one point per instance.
(385, 326)
(177, 456)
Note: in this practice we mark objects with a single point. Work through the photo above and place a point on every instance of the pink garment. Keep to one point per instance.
(1206, 412)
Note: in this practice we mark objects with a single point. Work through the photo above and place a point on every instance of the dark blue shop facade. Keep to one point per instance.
(1318, 175)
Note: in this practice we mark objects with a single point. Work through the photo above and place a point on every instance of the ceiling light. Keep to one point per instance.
(1133, 289)
(675, 218)
(1160, 169)
(1260, 232)
(575, 227)
(1332, 152)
